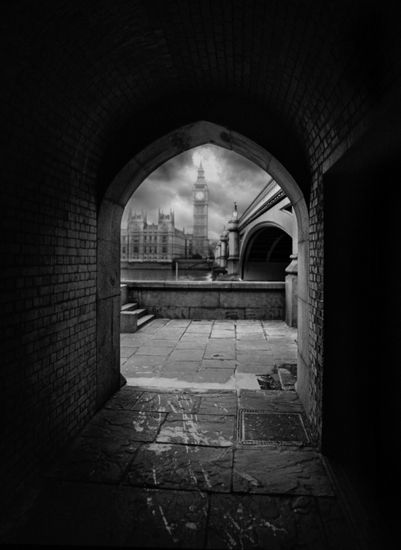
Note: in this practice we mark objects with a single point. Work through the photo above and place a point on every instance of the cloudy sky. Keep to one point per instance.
(229, 177)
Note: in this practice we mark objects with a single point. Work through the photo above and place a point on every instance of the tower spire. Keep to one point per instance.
(201, 172)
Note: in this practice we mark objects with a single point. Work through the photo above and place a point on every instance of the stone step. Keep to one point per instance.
(128, 307)
(138, 312)
(133, 318)
(144, 320)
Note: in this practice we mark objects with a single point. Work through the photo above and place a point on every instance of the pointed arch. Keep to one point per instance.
(110, 213)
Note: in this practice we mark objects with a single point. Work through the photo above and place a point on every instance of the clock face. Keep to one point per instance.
(199, 195)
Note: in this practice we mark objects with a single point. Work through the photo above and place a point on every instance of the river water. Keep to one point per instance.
(130, 274)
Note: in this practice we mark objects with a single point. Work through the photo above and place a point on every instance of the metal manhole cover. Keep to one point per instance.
(262, 427)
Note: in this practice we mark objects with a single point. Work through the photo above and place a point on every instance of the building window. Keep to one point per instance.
(164, 250)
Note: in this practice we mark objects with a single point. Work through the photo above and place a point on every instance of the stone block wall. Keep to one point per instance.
(210, 300)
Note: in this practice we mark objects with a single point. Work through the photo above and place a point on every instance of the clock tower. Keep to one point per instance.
(200, 243)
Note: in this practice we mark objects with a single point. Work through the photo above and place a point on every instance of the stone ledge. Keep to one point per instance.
(208, 285)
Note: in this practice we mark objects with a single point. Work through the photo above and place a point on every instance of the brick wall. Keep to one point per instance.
(47, 311)
(48, 305)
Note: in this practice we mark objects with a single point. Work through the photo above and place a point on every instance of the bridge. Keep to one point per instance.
(262, 244)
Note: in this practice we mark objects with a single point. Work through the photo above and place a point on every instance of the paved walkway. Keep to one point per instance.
(209, 354)
(191, 453)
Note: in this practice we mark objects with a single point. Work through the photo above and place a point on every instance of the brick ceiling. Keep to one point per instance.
(292, 75)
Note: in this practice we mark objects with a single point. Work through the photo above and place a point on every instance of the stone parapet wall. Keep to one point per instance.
(210, 300)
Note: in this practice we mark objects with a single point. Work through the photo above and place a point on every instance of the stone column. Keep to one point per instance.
(233, 247)
(223, 248)
(291, 291)
(217, 254)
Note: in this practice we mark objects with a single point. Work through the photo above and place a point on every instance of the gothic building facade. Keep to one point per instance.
(162, 241)
(154, 242)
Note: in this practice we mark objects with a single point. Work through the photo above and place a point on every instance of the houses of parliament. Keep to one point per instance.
(162, 241)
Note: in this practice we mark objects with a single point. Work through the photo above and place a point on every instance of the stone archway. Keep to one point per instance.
(108, 243)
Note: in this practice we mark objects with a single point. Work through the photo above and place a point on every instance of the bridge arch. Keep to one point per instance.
(274, 234)
(108, 244)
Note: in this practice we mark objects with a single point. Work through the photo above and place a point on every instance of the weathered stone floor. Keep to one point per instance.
(226, 354)
(179, 466)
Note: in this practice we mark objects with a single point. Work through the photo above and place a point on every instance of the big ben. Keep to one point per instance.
(200, 243)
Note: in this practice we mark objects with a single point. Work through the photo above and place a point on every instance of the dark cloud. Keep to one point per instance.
(230, 177)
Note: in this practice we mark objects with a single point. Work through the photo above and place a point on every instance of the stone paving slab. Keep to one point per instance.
(208, 377)
(218, 403)
(125, 399)
(126, 352)
(134, 340)
(255, 356)
(224, 354)
(277, 471)
(221, 343)
(250, 337)
(143, 361)
(255, 368)
(190, 344)
(164, 343)
(214, 376)
(180, 367)
(167, 402)
(219, 364)
(199, 329)
(251, 329)
(94, 460)
(270, 401)
(201, 339)
(72, 514)
(182, 467)
(178, 323)
(161, 352)
(150, 518)
(151, 373)
(133, 371)
(123, 426)
(254, 345)
(271, 523)
(172, 375)
(198, 429)
(172, 332)
(217, 334)
(186, 355)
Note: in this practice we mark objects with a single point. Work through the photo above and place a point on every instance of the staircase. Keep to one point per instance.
(132, 317)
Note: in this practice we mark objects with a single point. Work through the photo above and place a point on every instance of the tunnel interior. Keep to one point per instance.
(88, 88)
